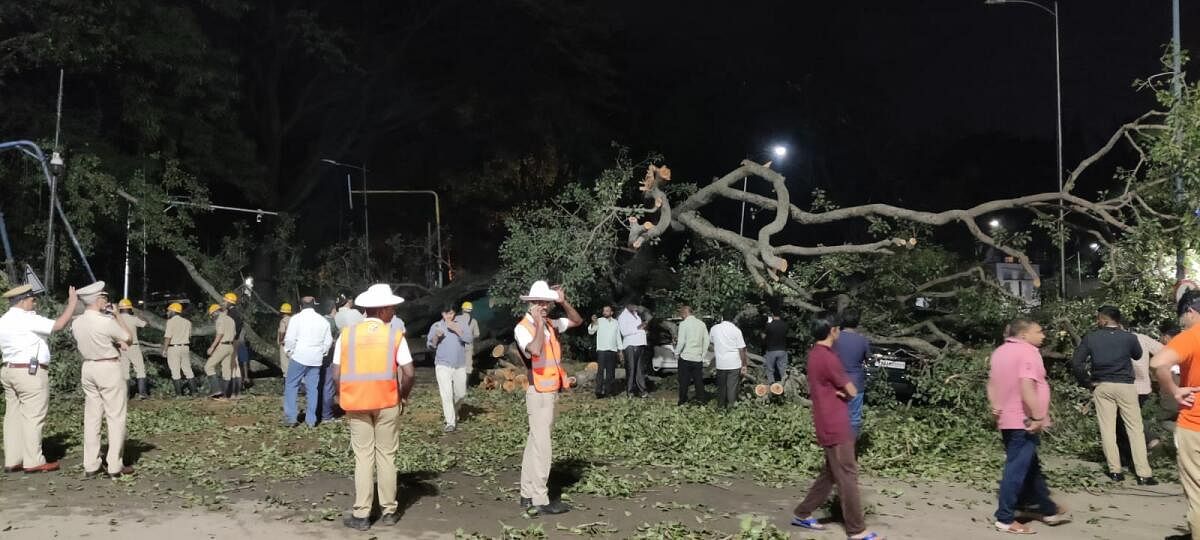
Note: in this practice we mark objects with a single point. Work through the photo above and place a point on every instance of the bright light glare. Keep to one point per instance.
(249, 282)
(995, 224)
(779, 150)
(1095, 246)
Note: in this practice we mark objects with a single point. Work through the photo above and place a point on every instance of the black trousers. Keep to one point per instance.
(689, 372)
(635, 370)
(606, 373)
(727, 386)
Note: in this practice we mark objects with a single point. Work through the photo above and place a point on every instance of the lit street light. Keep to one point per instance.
(995, 224)
(1094, 246)
(1053, 11)
(780, 151)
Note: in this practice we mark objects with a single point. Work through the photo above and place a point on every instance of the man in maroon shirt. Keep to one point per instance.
(830, 389)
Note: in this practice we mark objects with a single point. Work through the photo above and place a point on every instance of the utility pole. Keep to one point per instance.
(1177, 91)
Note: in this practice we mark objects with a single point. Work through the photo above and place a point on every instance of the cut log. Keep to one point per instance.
(591, 366)
(777, 389)
(760, 390)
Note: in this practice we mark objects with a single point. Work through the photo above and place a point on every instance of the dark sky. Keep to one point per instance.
(880, 101)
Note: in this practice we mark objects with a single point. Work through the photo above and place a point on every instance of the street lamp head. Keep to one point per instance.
(329, 161)
(995, 224)
(994, 2)
(1094, 246)
(779, 151)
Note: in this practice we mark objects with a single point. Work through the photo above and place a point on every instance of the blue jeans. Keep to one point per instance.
(856, 405)
(308, 376)
(1022, 482)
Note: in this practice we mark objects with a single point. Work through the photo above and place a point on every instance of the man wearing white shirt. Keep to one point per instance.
(23, 342)
(608, 348)
(632, 324)
(374, 371)
(729, 351)
(306, 340)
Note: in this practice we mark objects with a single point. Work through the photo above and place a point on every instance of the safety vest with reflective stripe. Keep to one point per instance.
(367, 379)
(545, 372)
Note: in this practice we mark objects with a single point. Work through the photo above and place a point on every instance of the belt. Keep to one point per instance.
(179, 345)
(104, 360)
(24, 366)
(225, 343)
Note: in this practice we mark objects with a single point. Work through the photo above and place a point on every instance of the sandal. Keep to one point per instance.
(869, 536)
(1014, 528)
(809, 523)
(1062, 517)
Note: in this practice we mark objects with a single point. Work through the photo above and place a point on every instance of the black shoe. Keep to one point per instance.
(1146, 481)
(178, 385)
(390, 519)
(361, 524)
(526, 503)
(555, 507)
(1116, 477)
(141, 388)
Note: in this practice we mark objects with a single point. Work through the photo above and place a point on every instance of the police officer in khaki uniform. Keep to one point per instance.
(26, 377)
(220, 355)
(286, 310)
(133, 355)
(176, 337)
(100, 338)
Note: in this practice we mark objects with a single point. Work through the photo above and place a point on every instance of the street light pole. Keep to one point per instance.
(437, 217)
(366, 216)
(1058, 143)
(1176, 90)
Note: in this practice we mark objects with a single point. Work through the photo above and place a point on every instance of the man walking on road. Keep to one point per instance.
(633, 335)
(26, 377)
(1019, 395)
(1110, 352)
(608, 349)
(375, 375)
(830, 389)
(100, 338)
(690, 347)
(730, 358)
(133, 355)
(307, 339)
(449, 337)
(177, 336)
(537, 339)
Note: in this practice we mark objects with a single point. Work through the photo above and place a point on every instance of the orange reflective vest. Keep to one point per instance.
(545, 372)
(367, 380)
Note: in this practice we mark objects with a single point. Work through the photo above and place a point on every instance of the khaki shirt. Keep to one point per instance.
(227, 328)
(283, 324)
(178, 330)
(132, 323)
(96, 335)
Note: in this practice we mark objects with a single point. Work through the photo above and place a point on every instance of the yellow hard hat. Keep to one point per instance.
(467, 306)
(125, 303)
(286, 308)
(231, 298)
(213, 309)
(175, 307)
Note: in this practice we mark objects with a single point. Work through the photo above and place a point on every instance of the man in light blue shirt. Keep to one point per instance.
(306, 341)
(608, 349)
(449, 337)
(690, 347)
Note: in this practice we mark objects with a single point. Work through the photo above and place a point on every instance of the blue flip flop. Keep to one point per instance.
(869, 536)
(809, 523)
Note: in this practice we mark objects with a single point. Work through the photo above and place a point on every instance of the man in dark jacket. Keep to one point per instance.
(1109, 352)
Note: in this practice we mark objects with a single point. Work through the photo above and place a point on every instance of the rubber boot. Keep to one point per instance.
(228, 388)
(141, 385)
(178, 384)
(214, 386)
(191, 387)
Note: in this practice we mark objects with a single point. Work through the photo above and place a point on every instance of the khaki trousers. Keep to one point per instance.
(535, 465)
(222, 358)
(133, 356)
(1187, 446)
(1111, 399)
(374, 440)
(470, 352)
(104, 398)
(283, 361)
(26, 400)
(179, 359)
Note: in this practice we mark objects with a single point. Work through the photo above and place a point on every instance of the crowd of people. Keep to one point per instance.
(367, 369)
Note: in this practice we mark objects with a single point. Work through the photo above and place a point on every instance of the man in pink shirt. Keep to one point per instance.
(1020, 399)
